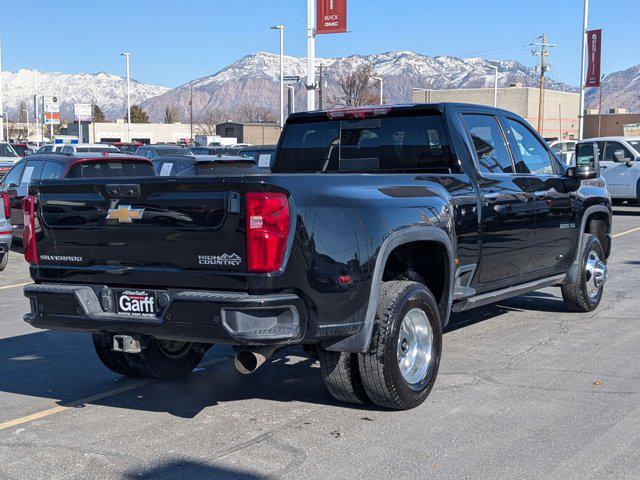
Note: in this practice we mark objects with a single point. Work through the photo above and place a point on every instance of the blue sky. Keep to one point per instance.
(174, 41)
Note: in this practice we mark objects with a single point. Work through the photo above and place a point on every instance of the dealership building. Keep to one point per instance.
(560, 108)
(252, 132)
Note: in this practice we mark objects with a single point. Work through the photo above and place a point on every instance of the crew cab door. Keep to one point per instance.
(507, 207)
(556, 209)
(621, 177)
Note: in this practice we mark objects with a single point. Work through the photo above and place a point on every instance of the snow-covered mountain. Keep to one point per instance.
(253, 80)
(619, 90)
(102, 89)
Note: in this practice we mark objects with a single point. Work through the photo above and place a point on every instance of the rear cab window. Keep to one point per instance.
(400, 142)
(111, 168)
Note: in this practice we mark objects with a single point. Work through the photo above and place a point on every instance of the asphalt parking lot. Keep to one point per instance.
(526, 390)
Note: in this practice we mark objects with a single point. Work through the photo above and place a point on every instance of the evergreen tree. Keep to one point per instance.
(98, 114)
(138, 115)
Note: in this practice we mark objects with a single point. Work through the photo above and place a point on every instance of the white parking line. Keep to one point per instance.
(626, 232)
(14, 286)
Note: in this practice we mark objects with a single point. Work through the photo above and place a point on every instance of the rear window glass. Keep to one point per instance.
(111, 169)
(177, 168)
(407, 143)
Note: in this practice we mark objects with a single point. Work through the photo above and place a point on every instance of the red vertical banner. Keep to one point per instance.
(594, 43)
(331, 16)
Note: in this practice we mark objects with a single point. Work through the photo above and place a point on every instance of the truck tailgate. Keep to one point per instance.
(142, 231)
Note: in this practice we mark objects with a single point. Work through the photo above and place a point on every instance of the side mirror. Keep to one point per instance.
(618, 156)
(587, 165)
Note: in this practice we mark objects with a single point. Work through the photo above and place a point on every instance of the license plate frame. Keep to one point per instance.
(136, 302)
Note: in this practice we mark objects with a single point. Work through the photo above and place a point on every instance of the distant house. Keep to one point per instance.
(255, 133)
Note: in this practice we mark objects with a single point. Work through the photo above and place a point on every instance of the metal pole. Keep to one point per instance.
(320, 87)
(495, 86)
(35, 106)
(281, 28)
(291, 99)
(600, 105)
(543, 67)
(1, 92)
(191, 113)
(126, 56)
(311, 55)
(27, 112)
(585, 24)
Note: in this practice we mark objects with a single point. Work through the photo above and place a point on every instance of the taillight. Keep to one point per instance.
(268, 223)
(5, 203)
(29, 232)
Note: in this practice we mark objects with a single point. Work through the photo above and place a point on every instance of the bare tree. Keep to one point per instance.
(22, 112)
(171, 114)
(206, 123)
(253, 113)
(356, 87)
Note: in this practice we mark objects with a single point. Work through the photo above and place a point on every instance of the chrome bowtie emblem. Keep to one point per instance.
(125, 214)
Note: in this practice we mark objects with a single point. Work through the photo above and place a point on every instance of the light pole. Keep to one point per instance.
(311, 55)
(281, 29)
(38, 132)
(27, 112)
(126, 56)
(292, 98)
(585, 25)
(379, 79)
(495, 85)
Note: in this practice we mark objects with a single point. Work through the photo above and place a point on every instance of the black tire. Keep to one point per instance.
(156, 360)
(381, 377)
(576, 294)
(114, 361)
(617, 202)
(4, 261)
(341, 376)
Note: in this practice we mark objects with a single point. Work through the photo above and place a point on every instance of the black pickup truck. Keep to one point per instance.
(375, 224)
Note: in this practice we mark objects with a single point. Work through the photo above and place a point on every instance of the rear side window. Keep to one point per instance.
(489, 143)
(32, 172)
(111, 169)
(13, 177)
(394, 144)
(52, 170)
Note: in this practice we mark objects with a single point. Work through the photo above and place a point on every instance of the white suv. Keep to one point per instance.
(88, 148)
(620, 166)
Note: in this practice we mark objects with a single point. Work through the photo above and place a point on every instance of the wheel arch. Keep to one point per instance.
(359, 342)
(598, 213)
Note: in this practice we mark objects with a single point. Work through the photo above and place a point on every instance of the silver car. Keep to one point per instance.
(5, 229)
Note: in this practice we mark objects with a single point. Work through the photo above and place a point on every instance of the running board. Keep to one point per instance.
(498, 295)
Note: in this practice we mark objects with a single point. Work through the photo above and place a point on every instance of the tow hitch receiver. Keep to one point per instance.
(126, 344)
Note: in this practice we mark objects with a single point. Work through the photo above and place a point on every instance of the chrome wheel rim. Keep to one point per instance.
(595, 274)
(173, 348)
(415, 343)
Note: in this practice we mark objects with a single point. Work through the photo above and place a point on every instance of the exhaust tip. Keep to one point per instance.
(248, 361)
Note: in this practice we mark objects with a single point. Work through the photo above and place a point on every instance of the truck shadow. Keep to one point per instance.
(64, 368)
(181, 468)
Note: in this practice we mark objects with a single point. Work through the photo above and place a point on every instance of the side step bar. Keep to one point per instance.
(509, 292)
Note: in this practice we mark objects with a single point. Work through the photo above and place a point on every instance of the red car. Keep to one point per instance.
(52, 166)
(23, 149)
